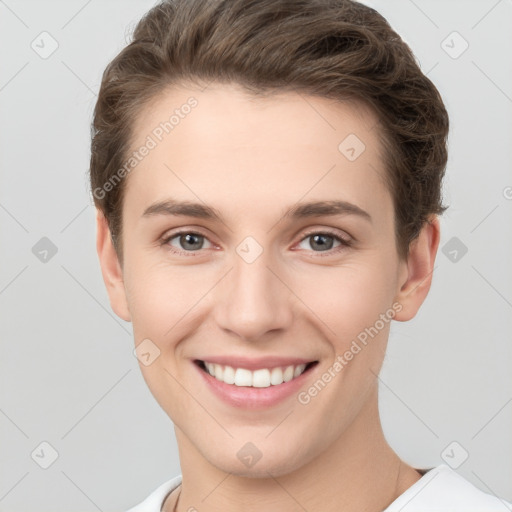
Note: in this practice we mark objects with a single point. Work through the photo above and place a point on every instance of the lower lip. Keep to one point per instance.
(246, 397)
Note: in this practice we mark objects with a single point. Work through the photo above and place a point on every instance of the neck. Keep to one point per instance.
(358, 472)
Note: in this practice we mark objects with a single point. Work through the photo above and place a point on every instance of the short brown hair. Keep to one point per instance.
(337, 49)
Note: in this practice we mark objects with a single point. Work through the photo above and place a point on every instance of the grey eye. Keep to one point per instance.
(189, 241)
(320, 242)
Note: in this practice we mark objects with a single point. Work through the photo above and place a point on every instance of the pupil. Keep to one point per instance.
(320, 242)
(193, 241)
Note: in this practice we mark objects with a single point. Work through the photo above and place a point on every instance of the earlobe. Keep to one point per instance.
(111, 268)
(417, 270)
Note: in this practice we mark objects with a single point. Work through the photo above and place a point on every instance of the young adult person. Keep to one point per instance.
(267, 176)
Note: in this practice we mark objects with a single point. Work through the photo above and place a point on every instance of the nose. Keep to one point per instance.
(253, 300)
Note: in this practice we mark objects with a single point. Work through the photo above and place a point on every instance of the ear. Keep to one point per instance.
(111, 268)
(416, 271)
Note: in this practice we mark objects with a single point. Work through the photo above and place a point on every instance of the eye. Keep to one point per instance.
(187, 241)
(190, 242)
(323, 242)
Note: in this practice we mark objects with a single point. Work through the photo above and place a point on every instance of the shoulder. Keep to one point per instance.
(153, 503)
(441, 489)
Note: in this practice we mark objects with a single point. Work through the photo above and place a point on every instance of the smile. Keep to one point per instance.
(259, 378)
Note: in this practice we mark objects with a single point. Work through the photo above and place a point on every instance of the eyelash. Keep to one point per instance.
(344, 243)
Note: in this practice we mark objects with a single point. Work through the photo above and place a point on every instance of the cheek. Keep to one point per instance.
(160, 296)
(163, 301)
(347, 299)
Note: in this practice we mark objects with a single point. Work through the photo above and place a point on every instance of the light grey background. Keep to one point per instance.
(68, 376)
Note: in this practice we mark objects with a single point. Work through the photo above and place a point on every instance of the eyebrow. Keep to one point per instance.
(299, 211)
(325, 208)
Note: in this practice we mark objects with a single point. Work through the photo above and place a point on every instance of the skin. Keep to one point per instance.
(251, 159)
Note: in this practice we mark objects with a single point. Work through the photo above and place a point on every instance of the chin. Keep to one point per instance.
(270, 461)
(261, 469)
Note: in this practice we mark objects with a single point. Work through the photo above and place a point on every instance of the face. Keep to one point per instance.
(258, 245)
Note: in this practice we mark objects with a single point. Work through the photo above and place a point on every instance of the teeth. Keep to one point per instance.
(298, 370)
(276, 376)
(262, 378)
(288, 374)
(229, 375)
(242, 377)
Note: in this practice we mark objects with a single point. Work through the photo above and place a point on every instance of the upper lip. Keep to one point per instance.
(256, 363)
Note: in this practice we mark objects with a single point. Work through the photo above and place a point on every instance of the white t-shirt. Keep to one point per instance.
(441, 489)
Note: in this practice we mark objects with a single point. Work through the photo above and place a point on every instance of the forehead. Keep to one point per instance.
(222, 143)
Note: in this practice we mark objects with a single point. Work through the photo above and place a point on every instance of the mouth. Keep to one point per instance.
(268, 377)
